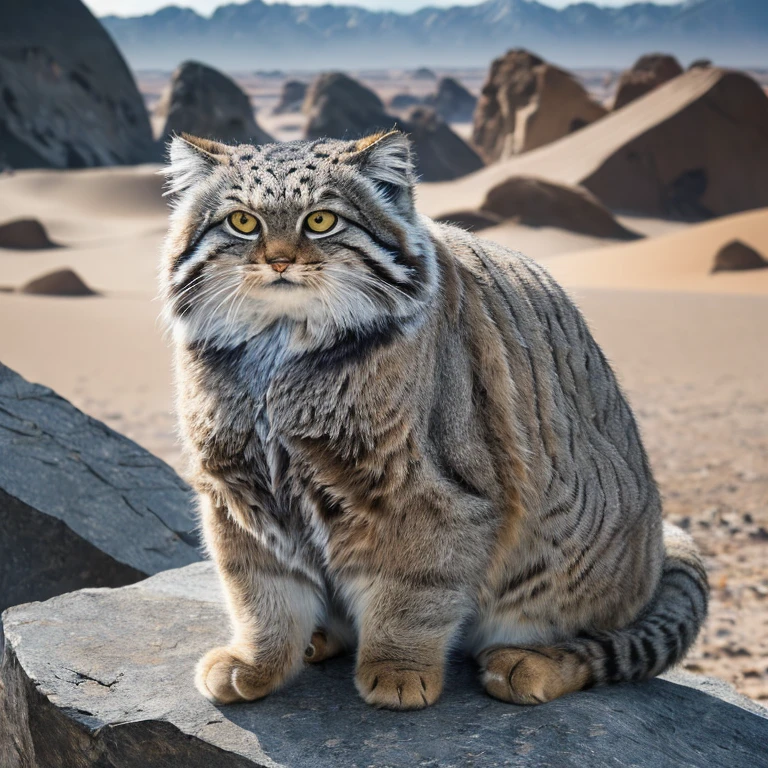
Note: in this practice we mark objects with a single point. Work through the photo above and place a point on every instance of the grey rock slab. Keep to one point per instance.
(103, 677)
(81, 505)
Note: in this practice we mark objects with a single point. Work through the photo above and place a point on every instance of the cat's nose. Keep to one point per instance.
(279, 266)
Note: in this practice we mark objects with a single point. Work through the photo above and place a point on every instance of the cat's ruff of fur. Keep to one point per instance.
(405, 440)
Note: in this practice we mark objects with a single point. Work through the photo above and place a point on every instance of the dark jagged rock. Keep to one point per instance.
(339, 107)
(204, 102)
(291, 98)
(67, 98)
(649, 72)
(25, 235)
(526, 103)
(539, 203)
(737, 255)
(118, 691)
(452, 101)
(61, 282)
(80, 505)
(700, 64)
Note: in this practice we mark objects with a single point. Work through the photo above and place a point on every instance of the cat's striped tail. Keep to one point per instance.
(659, 638)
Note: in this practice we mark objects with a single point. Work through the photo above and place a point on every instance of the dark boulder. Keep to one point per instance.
(104, 678)
(24, 235)
(737, 255)
(80, 505)
(204, 102)
(61, 282)
(339, 107)
(538, 203)
(404, 101)
(67, 98)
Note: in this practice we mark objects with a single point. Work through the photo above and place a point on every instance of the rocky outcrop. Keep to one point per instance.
(441, 155)
(649, 72)
(60, 282)
(339, 107)
(452, 101)
(737, 255)
(423, 73)
(80, 505)
(526, 103)
(291, 97)
(539, 203)
(24, 235)
(204, 102)
(119, 692)
(404, 101)
(68, 99)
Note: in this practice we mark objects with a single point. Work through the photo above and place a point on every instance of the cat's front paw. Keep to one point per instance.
(399, 684)
(226, 675)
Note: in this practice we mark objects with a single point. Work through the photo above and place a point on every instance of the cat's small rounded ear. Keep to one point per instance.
(191, 158)
(387, 159)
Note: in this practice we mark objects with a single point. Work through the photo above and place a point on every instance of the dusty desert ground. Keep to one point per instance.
(688, 346)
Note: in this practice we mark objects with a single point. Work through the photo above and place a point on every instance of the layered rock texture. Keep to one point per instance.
(526, 103)
(339, 107)
(648, 72)
(204, 102)
(80, 505)
(66, 104)
(119, 692)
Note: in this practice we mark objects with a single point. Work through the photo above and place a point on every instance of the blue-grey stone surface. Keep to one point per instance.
(81, 505)
(103, 677)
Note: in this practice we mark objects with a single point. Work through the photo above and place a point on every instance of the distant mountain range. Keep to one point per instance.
(258, 35)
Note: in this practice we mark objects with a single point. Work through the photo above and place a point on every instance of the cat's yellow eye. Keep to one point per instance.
(320, 221)
(245, 223)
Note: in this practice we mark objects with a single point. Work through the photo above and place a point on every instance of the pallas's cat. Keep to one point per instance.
(405, 441)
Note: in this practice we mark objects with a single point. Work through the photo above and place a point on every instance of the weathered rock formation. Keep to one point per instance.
(291, 98)
(649, 72)
(694, 148)
(441, 155)
(452, 101)
(204, 102)
(118, 691)
(24, 235)
(60, 282)
(538, 203)
(700, 64)
(527, 103)
(339, 107)
(737, 255)
(423, 73)
(80, 505)
(68, 99)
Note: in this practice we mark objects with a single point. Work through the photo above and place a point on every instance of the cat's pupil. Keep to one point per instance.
(243, 218)
(319, 219)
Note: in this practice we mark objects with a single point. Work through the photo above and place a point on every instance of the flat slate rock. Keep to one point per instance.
(103, 677)
(81, 505)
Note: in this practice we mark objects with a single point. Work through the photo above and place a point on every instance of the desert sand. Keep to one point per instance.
(688, 346)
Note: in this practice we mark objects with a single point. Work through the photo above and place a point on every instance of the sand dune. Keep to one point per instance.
(681, 261)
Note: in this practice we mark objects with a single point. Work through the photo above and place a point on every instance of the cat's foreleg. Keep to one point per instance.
(273, 612)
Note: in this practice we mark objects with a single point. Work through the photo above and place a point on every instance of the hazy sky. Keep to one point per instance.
(137, 7)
